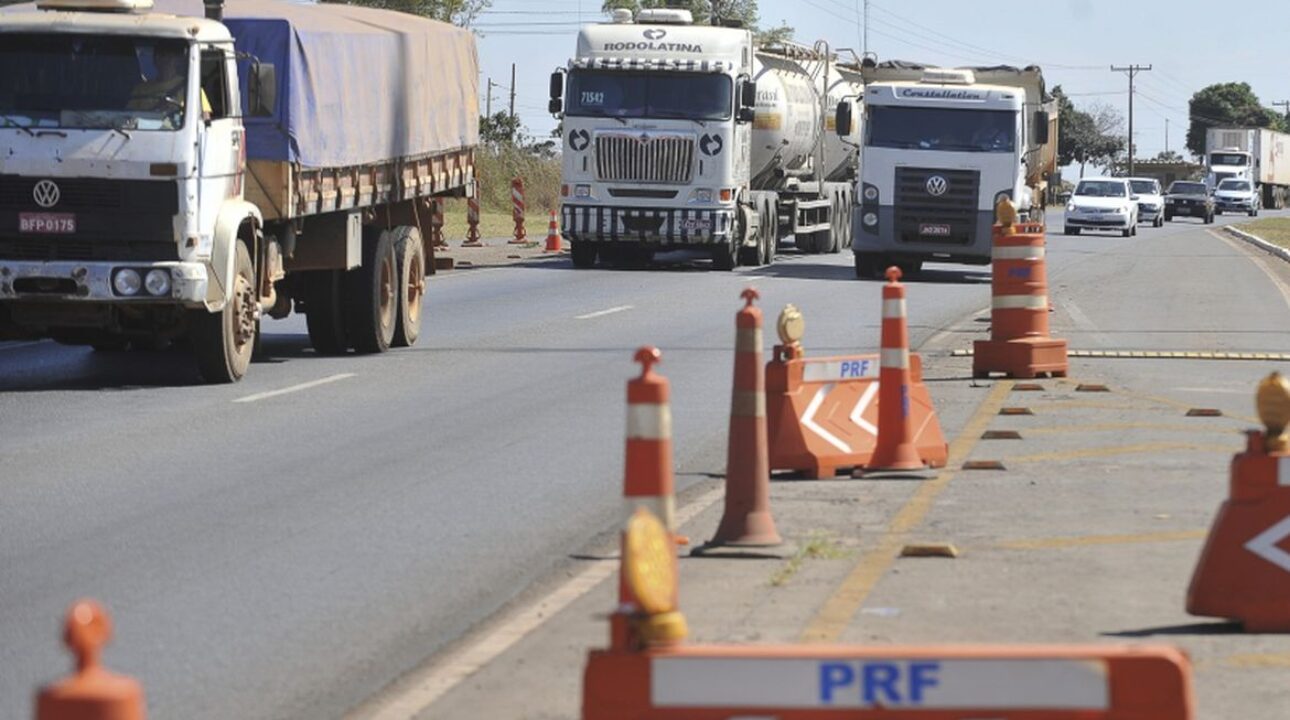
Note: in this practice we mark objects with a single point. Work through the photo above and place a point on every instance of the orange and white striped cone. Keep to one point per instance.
(747, 520)
(517, 211)
(436, 224)
(648, 481)
(472, 224)
(92, 693)
(895, 448)
(553, 240)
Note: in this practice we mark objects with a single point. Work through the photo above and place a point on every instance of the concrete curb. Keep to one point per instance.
(1260, 243)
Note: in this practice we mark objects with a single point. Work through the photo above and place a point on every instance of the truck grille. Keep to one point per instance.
(956, 208)
(634, 158)
(116, 220)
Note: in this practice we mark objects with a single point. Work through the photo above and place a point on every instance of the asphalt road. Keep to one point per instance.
(287, 546)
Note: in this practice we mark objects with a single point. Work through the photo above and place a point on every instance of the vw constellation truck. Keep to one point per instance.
(940, 148)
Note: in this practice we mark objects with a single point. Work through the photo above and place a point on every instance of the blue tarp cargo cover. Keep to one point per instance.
(356, 85)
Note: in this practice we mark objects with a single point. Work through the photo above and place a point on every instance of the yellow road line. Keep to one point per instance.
(836, 613)
(1258, 660)
(1180, 404)
(1083, 404)
(1087, 540)
(1111, 450)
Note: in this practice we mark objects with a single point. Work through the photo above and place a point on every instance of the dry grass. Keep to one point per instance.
(818, 546)
(1274, 230)
(491, 224)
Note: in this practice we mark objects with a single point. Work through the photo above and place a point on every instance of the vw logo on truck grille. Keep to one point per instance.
(937, 185)
(46, 193)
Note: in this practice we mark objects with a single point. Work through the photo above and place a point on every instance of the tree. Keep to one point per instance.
(1169, 156)
(743, 11)
(1087, 137)
(457, 12)
(1227, 105)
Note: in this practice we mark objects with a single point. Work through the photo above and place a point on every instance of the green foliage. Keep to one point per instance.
(1084, 137)
(498, 165)
(1227, 105)
(457, 12)
(1169, 156)
(744, 11)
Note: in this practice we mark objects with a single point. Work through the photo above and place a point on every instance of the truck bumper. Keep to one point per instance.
(970, 246)
(92, 282)
(661, 226)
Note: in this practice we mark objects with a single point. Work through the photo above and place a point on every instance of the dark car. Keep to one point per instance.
(1190, 199)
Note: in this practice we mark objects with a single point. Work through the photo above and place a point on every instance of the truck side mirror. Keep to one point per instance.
(1041, 127)
(844, 119)
(262, 89)
(556, 105)
(747, 101)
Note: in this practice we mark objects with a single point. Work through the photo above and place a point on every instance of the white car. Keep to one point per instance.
(1235, 195)
(1103, 203)
(1151, 200)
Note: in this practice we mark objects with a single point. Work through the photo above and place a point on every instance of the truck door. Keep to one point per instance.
(221, 141)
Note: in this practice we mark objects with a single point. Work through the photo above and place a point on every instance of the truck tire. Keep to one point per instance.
(848, 224)
(411, 253)
(836, 225)
(324, 293)
(583, 253)
(726, 257)
(770, 231)
(869, 266)
(372, 294)
(224, 341)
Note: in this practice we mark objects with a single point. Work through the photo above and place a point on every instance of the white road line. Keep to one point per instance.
(294, 388)
(17, 346)
(1083, 322)
(602, 313)
(753, 278)
(417, 692)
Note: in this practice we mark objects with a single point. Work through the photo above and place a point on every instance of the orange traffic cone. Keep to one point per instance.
(895, 448)
(747, 521)
(1244, 571)
(92, 693)
(553, 235)
(647, 479)
(473, 238)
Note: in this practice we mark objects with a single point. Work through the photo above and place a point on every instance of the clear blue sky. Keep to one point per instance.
(1074, 41)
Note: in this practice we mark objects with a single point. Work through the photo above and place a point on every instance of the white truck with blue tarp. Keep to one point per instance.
(685, 136)
(182, 172)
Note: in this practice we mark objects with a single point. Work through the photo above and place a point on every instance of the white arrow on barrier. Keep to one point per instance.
(808, 420)
(1265, 544)
(857, 415)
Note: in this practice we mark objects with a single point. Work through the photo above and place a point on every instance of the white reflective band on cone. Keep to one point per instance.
(1018, 252)
(1283, 471)
(663, 507)
(1020, 302)
(748, 340)
(649, 422)
(893, 308)
(898, 359)
(748, 403)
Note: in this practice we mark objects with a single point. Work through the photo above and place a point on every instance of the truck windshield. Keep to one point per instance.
(909, 128)
(75, 81)
(1228, 159)
(683, 95)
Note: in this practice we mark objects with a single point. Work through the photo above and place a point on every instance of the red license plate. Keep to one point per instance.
(935, 230)
(47, 223)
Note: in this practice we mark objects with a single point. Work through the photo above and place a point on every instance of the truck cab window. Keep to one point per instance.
(214, 84)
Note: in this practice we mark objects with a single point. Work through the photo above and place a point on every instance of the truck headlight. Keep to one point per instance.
(127, 282)
(582, 191)
(157, 282)
(870, 193)
(870, 219)
(703, 195)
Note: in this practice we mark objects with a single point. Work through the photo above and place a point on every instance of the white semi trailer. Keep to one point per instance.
(1259, 155)
(685, 136)
(940, 148)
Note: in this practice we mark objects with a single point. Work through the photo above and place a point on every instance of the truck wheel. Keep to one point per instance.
(223, 341)
(836, 225)
(583, 253)
(372, 294)
(769, 232)
(411, 252)
(869, 266)
(725, 257)
(325, 311)
(848, 226)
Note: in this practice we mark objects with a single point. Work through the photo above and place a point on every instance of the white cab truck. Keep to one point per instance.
(685, 136)
(1259, 155)
(179, 173)
(940, 147)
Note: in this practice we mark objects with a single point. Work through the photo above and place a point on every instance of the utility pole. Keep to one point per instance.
(512, 91)
(864, 47)
(1132, 71)
(1285, 104)
(1166, 136)
(488, 113)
